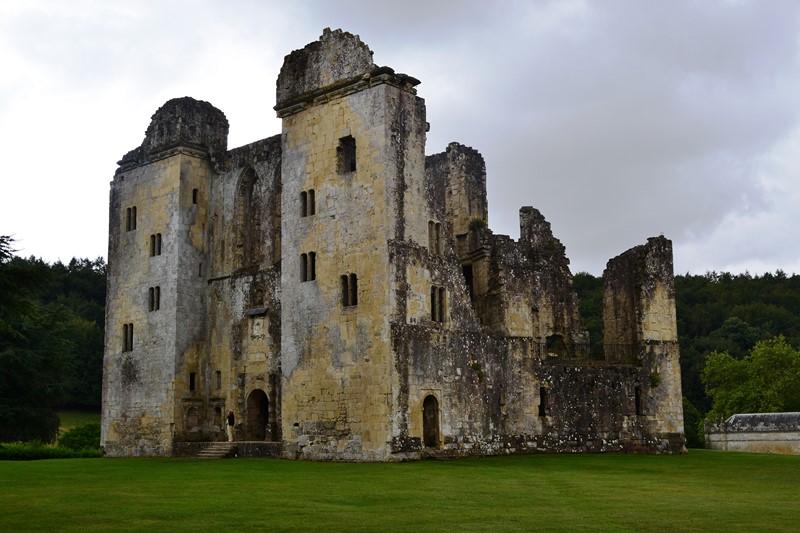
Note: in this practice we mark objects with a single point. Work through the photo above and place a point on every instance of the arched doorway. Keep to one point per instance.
(430, 422)
(257, 415)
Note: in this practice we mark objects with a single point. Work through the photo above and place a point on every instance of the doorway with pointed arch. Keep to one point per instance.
(257, 415)
(430, 422)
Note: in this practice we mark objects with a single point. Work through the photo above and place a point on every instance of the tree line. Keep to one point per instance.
(51, 341)
(739, 339)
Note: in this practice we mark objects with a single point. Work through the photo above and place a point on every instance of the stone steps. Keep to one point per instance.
(217, 450)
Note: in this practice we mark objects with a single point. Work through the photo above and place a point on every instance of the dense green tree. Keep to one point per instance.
(767, 380)
(693, 425)
(35, 351)
(81, 287)
(590, 298)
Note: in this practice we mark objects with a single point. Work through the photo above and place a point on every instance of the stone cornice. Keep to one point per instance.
(378, 76)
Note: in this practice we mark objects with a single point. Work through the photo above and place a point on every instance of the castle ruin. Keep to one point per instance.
(343, 294)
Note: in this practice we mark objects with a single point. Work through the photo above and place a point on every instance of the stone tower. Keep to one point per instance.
(353, 187)
(155, 314)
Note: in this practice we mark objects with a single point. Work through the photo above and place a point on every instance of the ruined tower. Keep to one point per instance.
(353, 159)
(155, 317)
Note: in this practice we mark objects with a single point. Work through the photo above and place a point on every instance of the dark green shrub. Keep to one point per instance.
(32, 450)
(86, 437)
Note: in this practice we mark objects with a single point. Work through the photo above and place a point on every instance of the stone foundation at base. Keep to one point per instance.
(266, 450)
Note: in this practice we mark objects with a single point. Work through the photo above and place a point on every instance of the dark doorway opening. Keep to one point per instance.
(467, 270)
(257, 415)
(430, 422)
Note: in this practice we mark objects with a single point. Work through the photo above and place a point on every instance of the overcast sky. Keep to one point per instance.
(618, 120)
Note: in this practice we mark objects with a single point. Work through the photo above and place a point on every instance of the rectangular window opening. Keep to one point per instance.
(192, 380)
(195, 196)
(345, 290)
(347, 154)
(542, 401)
(467, 270)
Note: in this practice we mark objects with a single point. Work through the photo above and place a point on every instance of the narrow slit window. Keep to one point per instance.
(312, 266)
(127, 337)
(155, 244)
(307, 203)
(542, 401)
(130, 219)
(345, 290)
(192, 381)
(195, 196)
(155, 298)
(353, 289)
(218, 380)
(437, 304)
(303, 267)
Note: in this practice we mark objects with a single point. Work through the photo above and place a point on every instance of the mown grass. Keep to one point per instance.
(701, 491)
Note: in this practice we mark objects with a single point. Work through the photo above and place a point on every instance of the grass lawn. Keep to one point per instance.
(701, 491)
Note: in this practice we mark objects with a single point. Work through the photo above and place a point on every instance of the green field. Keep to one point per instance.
(701, 491)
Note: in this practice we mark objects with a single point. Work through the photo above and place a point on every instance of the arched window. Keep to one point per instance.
(349, 290)
(248, 220)
(346, 153)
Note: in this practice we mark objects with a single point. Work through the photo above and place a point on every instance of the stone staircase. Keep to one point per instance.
(218, 450)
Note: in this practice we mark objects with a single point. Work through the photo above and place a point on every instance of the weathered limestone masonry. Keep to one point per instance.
(344, 296)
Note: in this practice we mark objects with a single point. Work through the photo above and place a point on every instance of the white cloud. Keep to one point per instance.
(618, 120)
